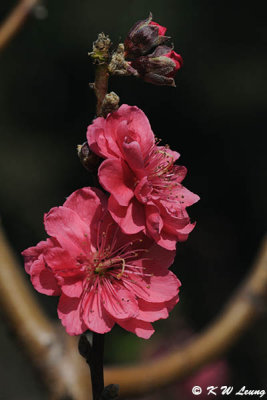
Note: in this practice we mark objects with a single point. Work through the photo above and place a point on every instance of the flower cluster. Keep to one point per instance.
(148, 56)
(108, 254)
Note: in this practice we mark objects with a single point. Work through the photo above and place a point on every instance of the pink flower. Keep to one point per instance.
(142, 178)
(102, 276)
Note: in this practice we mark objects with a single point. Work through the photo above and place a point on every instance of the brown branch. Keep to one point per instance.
(55, 354)
(15, 20)
(101, 86)
(52, 352)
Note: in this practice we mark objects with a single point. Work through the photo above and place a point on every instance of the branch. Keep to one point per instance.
(51, 350)
(15, 21)
(55, 354)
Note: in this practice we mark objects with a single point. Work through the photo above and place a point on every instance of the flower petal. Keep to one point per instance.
(120, 304)
(156, 289)
(138, 126)
(116, 177)
(167, 240)
(96, 137)
(133, 156)
(88, 203)
(94, 315)
(154, 221)
(69, 311)
(43, 279)
(140, 328)
(151, 312)
(32, 253)
(71, 232)
(131, 219)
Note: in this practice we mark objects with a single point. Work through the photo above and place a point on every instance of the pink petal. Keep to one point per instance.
(138, 125)
(69, 311)
(117, 178)
(157, 258)
(173, 154)
(32, 253)
(131, 219)
(164, 288)
(94, 315)
(183, 233)
(156, 289)
(180, 172)
(121, 304)
(60, 261)
(143, 190)
(167, 240)
(140, 328)
(154, 221)
(71, 232)
(151, 312)
(187, 197)
(96, 137)
(171, 303)
(72, 288)
(66, 269)
(43, 279)
(133, 154)
(88, 203)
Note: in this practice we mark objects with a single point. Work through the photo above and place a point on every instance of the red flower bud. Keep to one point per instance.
(143, 37)
(159, 67)
(161, 29)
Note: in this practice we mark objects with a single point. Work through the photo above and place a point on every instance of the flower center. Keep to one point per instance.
(162, 174)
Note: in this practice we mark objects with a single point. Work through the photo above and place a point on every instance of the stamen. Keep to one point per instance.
(122, 270)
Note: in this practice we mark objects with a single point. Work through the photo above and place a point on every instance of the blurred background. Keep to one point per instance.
(214, 119)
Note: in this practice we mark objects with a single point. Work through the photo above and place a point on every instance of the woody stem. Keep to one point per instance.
(101, 86)
(96, 365)
(91, 347)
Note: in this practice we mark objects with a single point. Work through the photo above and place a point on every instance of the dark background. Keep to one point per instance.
(214, 118)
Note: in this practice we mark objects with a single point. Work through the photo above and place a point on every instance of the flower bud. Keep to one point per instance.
(159, 67)
(143, 37)
(89, 160)
(110, 103)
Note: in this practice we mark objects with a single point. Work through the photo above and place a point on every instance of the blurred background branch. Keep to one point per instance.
(216, 339)
(55, 354)
(15, 20)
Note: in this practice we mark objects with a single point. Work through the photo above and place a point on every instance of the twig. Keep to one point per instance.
(101, 86)
(63, 369)
(100, 57)
(91, 347)
(15, 20)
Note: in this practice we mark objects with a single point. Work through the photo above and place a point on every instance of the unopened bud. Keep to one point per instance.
(110, 103)
(118, 65)
(100, 53)
(88, 159)
(159, 67)
(143, 37)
